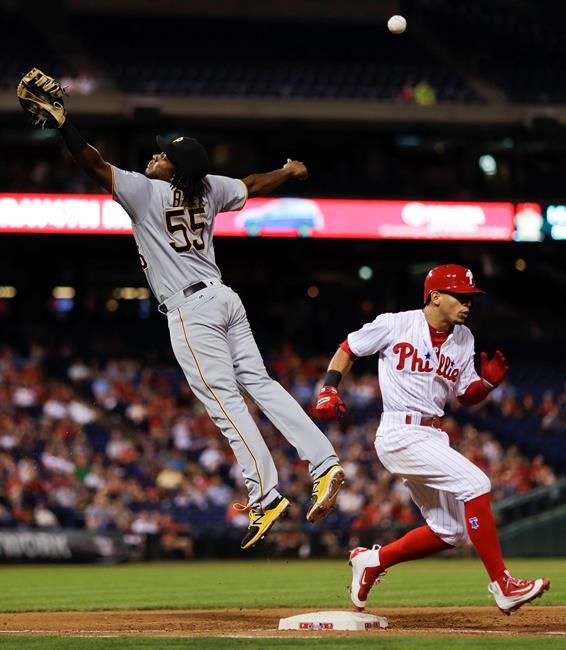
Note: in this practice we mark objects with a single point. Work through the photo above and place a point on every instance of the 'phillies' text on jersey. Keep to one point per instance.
(408, 351)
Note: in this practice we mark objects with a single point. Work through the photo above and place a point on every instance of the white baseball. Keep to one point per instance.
(396, 24)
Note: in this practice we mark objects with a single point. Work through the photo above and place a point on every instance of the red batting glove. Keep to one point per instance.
(493, 371)
(329, 405)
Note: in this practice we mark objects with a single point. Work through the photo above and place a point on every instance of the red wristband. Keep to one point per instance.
(476, 392)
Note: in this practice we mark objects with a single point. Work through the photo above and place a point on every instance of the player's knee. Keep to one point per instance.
(225, 407)
(256, 385)
(477, 483)
(459, 537)
(223, 395)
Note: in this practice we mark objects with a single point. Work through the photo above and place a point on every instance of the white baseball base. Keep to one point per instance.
(353, 621)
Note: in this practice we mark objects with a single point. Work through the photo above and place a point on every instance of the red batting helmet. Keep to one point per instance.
(451, 278)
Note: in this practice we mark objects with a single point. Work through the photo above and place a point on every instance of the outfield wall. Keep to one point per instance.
(540, 535)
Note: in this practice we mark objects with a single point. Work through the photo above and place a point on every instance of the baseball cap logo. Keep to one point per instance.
(470, 277)
(180, 139)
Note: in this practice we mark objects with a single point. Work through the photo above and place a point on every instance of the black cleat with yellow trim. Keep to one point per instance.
(261, 521)
(324, 492)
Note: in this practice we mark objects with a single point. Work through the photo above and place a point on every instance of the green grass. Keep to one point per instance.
(260, 583)
(256, 583)
(406, 642)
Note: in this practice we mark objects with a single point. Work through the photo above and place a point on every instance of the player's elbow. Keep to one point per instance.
(252, 184)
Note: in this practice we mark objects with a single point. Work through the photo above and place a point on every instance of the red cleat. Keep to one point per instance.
(510, 593)
(365, 573)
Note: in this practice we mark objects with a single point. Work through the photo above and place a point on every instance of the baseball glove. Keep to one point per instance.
(42, 97)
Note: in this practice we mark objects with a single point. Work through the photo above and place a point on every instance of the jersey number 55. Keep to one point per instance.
(178, 221)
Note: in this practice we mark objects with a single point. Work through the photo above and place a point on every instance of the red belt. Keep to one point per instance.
(424, 421)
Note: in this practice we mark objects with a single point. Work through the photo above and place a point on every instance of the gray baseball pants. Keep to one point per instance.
(214, 345)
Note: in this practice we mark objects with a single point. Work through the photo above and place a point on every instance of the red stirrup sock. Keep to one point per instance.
(483, 534)
(417, 543)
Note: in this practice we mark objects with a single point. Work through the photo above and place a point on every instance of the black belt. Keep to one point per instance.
(187, 291)
(193, 288)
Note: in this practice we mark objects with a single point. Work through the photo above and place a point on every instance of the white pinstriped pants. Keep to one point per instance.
(439, 478)
(214, 345)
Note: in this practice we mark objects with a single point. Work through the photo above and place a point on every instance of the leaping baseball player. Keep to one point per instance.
(426, 355)
(172, 207)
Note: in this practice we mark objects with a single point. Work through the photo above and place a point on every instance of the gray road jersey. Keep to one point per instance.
(175, 243)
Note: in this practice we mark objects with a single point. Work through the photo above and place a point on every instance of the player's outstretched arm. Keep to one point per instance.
(42, 98)
(86, 156)
(261, 184)
(329, 404)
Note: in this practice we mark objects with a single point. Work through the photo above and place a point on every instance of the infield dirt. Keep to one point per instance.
(425, 621)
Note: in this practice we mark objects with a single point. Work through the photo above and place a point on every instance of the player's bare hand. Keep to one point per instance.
(329, 405)
(493, 370)
(297, 169)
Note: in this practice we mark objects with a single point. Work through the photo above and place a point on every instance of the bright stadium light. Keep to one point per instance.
(61, 293)
(8, 292)
(365, 273)
(488, 164)
(520, 264)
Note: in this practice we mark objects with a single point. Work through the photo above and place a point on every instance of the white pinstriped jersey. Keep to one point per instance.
(174, 242)
(413, 377)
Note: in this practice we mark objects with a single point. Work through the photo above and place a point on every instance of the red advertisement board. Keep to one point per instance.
(275, 217)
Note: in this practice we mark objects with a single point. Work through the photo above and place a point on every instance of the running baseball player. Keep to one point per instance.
(172, 207)
(425, 356)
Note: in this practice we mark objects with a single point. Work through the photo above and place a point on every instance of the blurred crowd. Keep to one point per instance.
(58, 174)
(120, 444)
(550, 409)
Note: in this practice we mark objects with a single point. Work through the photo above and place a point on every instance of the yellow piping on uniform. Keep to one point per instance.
(218, 401)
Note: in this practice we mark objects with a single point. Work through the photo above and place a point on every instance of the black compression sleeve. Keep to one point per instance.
(73, 139)
(333, 378)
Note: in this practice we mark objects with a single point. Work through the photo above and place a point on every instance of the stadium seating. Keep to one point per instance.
(110, 444)
(518, 52)
(255, 59)
(16, 58)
